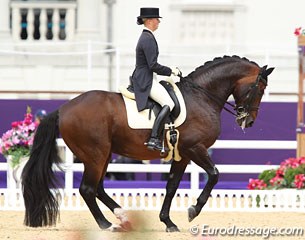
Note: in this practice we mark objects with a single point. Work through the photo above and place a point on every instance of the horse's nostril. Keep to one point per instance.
(250, 123)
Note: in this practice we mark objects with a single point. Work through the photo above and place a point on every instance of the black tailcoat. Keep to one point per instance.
(147, 52)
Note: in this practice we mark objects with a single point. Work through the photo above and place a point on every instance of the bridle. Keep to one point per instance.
(241, 110)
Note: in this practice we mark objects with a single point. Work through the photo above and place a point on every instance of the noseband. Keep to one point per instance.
(243, 110)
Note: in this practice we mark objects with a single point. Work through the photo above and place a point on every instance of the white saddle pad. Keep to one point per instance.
(139, 120)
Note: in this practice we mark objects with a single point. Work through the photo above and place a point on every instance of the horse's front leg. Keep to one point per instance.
(175, 175)
(200, 156)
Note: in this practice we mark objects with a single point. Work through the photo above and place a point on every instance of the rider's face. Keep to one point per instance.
(154, 23)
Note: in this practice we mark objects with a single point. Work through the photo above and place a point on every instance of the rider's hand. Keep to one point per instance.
(176, 71)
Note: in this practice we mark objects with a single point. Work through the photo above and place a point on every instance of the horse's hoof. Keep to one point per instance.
(116, 228)
(172, 229)
(191, 213)
(121, 214)
(126, 226)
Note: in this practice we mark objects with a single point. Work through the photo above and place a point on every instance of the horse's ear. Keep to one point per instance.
(263, 69)
(266, 72)
(269, 71)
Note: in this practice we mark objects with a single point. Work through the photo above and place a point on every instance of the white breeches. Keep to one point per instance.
(160, 95)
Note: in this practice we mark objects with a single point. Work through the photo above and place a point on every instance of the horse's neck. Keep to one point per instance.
(223, 88)
(218, 89)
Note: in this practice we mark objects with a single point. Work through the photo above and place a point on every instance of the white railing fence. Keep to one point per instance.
(151, 199)
(289, 200)
(68, 69)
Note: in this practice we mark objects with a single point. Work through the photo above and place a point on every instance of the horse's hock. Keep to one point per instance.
(300, 115)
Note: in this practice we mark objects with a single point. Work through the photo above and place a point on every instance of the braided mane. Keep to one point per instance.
(217, 61)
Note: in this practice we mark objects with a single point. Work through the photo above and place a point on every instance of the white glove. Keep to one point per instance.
(176, 71)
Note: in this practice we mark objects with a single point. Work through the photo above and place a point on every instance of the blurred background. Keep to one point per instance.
(56, 49)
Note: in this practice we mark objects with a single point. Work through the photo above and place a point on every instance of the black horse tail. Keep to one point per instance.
(41, 204)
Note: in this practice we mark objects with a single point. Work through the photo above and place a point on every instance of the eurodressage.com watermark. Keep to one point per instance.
(264, 232)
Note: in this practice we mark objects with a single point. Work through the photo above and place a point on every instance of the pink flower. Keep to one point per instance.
(32, 127)
(299, 180)
(28, 119)
(256, 184)
(15, 124)
(297, 31)
(15, 140)
(292, 162)
(30, 142)
(276, 181)
(302, 160)
(280, 172)
(7, 146)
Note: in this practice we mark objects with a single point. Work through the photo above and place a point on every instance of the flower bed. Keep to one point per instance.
(290, 174)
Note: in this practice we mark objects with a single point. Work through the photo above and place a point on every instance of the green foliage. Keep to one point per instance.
(290, 174)
(267, 175)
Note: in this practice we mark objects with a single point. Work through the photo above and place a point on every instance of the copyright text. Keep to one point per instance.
(264, 232)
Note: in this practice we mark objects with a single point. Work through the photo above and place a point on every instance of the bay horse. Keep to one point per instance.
(94, 125)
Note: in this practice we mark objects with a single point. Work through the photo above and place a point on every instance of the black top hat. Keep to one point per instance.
(148, 13)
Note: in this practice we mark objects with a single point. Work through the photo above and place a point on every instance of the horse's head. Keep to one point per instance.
(245, 80)
(248, 93)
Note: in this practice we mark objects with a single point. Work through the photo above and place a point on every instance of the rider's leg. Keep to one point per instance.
(154, 143)
(160, 95)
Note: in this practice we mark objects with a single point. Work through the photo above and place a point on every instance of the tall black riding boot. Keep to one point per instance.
(154, 143)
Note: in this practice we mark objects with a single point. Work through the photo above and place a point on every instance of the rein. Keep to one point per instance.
(210, 95)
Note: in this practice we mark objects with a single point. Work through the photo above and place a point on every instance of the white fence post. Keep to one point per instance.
(89, 64)
(194, 177)
(117, 68)
(11, 186)
(69, 175)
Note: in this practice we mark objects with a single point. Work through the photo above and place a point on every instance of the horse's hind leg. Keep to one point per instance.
(111, 204)
(175, 175)
(118, 211)
(88, 190)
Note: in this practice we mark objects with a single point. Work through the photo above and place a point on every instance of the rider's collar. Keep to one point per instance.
(145, 28)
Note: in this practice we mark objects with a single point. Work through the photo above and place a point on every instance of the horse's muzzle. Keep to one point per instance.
(249, 122)
(245, 122)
